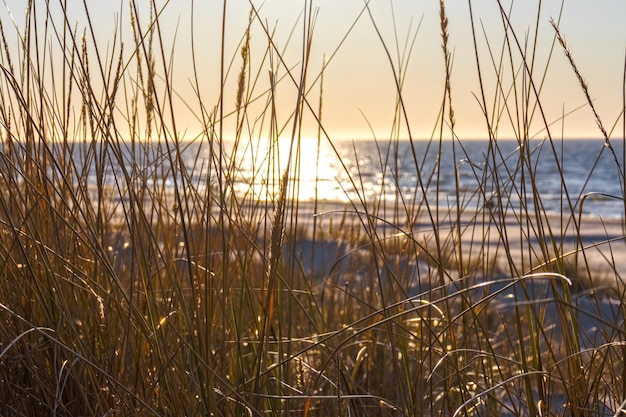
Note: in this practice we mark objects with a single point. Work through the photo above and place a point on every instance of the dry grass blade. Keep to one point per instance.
(246, 269)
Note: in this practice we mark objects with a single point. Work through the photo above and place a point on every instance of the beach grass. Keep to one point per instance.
(138, 278)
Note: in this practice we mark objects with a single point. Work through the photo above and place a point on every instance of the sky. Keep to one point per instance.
(363, 49)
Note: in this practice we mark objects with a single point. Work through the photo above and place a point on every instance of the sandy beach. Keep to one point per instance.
(592, 243)
(592, 249)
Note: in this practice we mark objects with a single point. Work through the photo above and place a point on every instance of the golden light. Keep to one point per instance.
(313, 170)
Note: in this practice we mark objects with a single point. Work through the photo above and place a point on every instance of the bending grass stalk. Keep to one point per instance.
(168, 332)
(46, 333)
(585, 87)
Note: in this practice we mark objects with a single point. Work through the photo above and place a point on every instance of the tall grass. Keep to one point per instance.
(140, 278)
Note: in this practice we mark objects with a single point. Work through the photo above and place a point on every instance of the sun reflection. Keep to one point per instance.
(314, 170)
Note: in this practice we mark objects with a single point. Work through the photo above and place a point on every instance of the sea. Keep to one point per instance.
(582, 176)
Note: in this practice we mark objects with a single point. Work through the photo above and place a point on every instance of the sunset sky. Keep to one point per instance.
(359, 83)
(359, 89)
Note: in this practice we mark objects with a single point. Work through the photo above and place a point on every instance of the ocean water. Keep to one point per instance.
(559, 176)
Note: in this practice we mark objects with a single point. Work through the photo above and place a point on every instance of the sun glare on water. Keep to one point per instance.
(313, 170)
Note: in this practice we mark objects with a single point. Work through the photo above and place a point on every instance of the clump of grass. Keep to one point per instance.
(139, 278)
